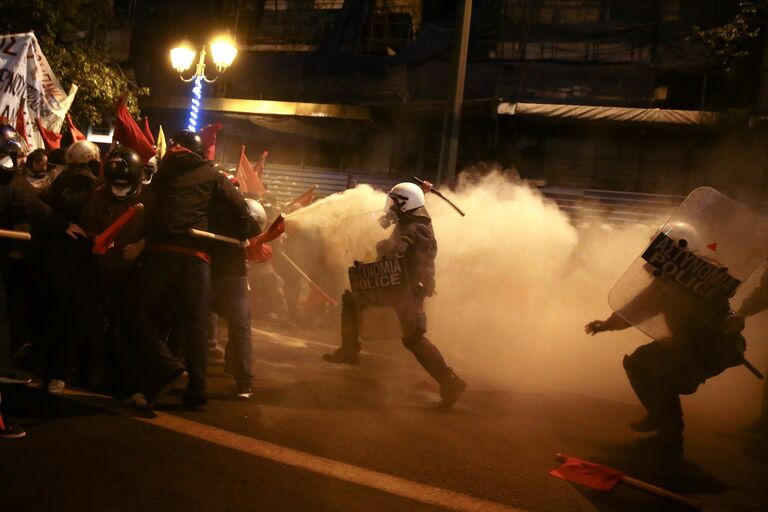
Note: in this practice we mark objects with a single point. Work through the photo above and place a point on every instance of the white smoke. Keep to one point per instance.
(516, 283)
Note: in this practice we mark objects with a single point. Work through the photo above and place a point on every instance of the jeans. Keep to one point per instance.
(230, 301)
(168, 276)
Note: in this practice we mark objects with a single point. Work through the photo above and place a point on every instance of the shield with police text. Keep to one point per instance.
(379, 288)
(695, 262)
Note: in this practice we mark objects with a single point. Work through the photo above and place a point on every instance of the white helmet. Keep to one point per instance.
(405, 197)
(683, 234)
(82, 152)
(258, 213)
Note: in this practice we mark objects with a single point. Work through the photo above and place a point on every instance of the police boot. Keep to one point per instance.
(450, 390)
(343, 356)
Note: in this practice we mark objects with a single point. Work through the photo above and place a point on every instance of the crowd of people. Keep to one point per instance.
(126, 267)
(110, 286)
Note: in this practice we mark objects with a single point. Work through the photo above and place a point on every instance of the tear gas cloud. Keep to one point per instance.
(516, 282)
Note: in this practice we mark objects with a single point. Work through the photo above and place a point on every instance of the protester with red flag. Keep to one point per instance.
(177, 267)
(305, 199)
(250, 182)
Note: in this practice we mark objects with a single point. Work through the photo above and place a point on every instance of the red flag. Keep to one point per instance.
(52, 139)
(249, 180)
(587, 473)
(258, 253)
(304, 199)
(103, 242)
(208, 134)
(316, 297)
(259, 169)
(148, 132)
(77, 135)
(21, 125)
(275, 230)
(128, 133)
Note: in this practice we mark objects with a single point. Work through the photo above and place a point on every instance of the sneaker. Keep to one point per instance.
(645, 425)
(12, 432)
(14, 377)
(138, 400)
(244, 391)
(176, 377)
(343, 356)
(451, 390)
(56, 387)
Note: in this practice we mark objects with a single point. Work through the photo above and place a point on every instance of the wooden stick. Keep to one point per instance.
(221, 238)
(679, 498)
(16, 235)
(658, 491)
(309, 280)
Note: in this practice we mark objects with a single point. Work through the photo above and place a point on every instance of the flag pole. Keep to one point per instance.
(309, 280)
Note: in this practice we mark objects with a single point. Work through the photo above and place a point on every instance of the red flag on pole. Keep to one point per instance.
(305, 199)
(77, 135)
(52, 139)
(275, 230)
(21, 125)
(250, 182)
(208, 134)
(148, 132)
(259, 169)
(128, 133)
(587, 473)
(103, 242)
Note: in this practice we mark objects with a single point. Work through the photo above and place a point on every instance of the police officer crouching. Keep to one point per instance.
(414, 241)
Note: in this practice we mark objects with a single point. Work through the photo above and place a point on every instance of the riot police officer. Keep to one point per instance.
(414, 241)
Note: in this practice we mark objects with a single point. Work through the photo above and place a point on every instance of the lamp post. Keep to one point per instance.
(223, 52)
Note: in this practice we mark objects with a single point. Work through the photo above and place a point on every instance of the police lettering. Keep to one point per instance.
(382, 274)
(689, 270)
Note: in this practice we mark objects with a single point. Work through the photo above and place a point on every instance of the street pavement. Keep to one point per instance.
(322, 437)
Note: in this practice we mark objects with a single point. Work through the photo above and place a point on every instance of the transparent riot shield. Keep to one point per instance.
(380, 289)
(695, 261)
(356, 238)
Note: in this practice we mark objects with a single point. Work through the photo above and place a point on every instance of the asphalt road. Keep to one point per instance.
(321, 437)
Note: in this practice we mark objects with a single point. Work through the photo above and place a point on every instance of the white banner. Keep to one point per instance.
(27, 80)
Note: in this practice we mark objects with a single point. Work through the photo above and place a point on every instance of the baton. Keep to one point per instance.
(752, 369)
(220, 238)
(16, 235)
(441, 196)
(309, 280)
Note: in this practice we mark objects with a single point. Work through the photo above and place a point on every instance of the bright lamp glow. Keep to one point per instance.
(182, 57)
(223, 52)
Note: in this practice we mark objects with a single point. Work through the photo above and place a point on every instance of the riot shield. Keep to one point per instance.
(356, 238)
(680, 281)
(379, 289)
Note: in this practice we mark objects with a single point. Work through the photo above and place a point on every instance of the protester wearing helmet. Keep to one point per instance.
(188, 191)
(12, 147)
(414, 240)
(667, 367)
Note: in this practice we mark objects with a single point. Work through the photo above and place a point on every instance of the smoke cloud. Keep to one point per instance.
(517, 282)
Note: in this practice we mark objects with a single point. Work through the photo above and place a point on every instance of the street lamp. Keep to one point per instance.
(223, 52)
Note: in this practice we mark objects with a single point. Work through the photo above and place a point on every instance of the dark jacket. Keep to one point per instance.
(102, 209)
(189, 193)
(414, 239)
(70, 190)
(19, 203)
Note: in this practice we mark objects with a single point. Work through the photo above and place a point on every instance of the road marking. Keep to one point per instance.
(357, 475)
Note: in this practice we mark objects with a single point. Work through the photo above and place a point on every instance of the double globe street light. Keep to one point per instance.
(223, 52)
